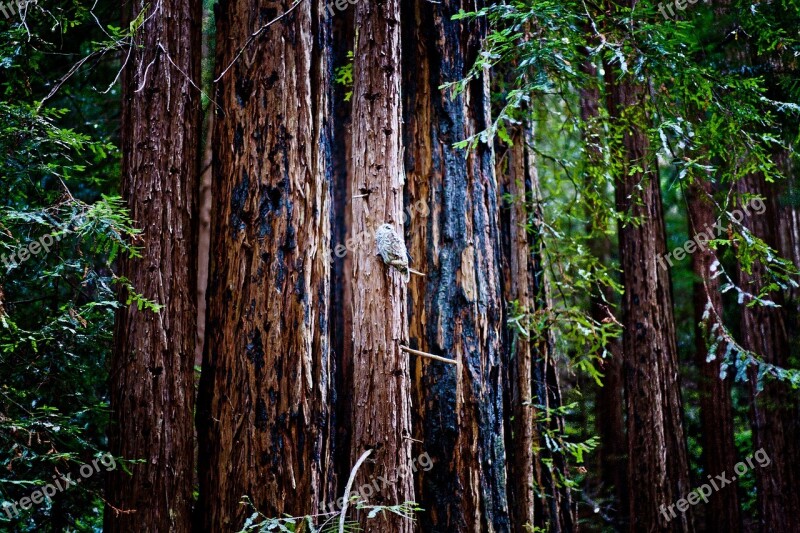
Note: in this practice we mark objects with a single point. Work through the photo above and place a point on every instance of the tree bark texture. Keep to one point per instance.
(610, 397)
(263, 413)
(381, 402)
(152, 371)
(456, 310)
(773, 410)
(716, 411)
(658, 464)
(537, 494)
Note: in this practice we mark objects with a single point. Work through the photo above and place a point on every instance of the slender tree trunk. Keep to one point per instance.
(151, 381)
(381, 383)
(263, 416)
(341, 309)
(456, 309)
(537, 494)
(610, 398)
(716, 412)
(658, 473)
(773, 412)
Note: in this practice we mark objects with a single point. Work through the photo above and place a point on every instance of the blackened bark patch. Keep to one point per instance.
(244, 88)
(238, 201)
(238, 139)
(255, 351)
(262, 419)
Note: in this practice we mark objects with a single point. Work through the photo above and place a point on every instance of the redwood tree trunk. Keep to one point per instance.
(716, 413)
(537, 494)
(263, 417)
(610, 398)
(151, 384)
(658, 464)
(381, 413)
(773, 412)
(456, 309)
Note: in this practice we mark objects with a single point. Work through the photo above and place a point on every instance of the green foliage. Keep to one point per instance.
(324, 522)
(58, 174)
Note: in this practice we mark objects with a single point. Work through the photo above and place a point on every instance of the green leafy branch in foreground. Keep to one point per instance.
(323, 522)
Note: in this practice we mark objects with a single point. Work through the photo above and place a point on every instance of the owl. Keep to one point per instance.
(392, 249)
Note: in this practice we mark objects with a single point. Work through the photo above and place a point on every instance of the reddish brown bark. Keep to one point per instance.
(151, 379)
(658, 459)
(610, 398)
(263, 417)
(537, 494)
(716, 413)
(456, 310)
(381, 416)
(773, 410)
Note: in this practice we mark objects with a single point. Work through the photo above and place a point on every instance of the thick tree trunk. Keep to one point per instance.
(151, 382)
(773, 412)
(456, 309)
(263, 416)
(381, 412)
(537, 494)
(658, 473)
(716, 412)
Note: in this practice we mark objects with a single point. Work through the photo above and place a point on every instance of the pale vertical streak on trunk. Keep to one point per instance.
(381, 395)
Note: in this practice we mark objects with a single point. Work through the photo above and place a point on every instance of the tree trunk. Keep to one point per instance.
(456, 309)
(658, 472)
(151, 380)
(610, 398)
(381, 395)
(773, 413)
(537, 494)
(263, 416)
(716, 412)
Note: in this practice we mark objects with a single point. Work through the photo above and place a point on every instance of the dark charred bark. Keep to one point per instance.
(263, 413)
(658, 472)
(716, 412)
(456, 310)
(152, 371)
(381, 411)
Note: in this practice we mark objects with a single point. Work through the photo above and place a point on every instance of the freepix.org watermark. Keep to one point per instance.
(376, 485)
(701, 239)
(59, 484)
(7, 9)
(720, 481)
(23, 253)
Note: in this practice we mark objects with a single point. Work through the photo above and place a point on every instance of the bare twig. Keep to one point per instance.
(429, 355)
(253, 36)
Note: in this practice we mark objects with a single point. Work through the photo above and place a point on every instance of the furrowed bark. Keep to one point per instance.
(263, 417)
(152, 370)
(537, 495)
(658, 471)
(381, 416)
(456, 310)
(716, 412)
(610, 398)
(773, 410)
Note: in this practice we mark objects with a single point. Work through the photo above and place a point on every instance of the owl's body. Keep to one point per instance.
(392, 249)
